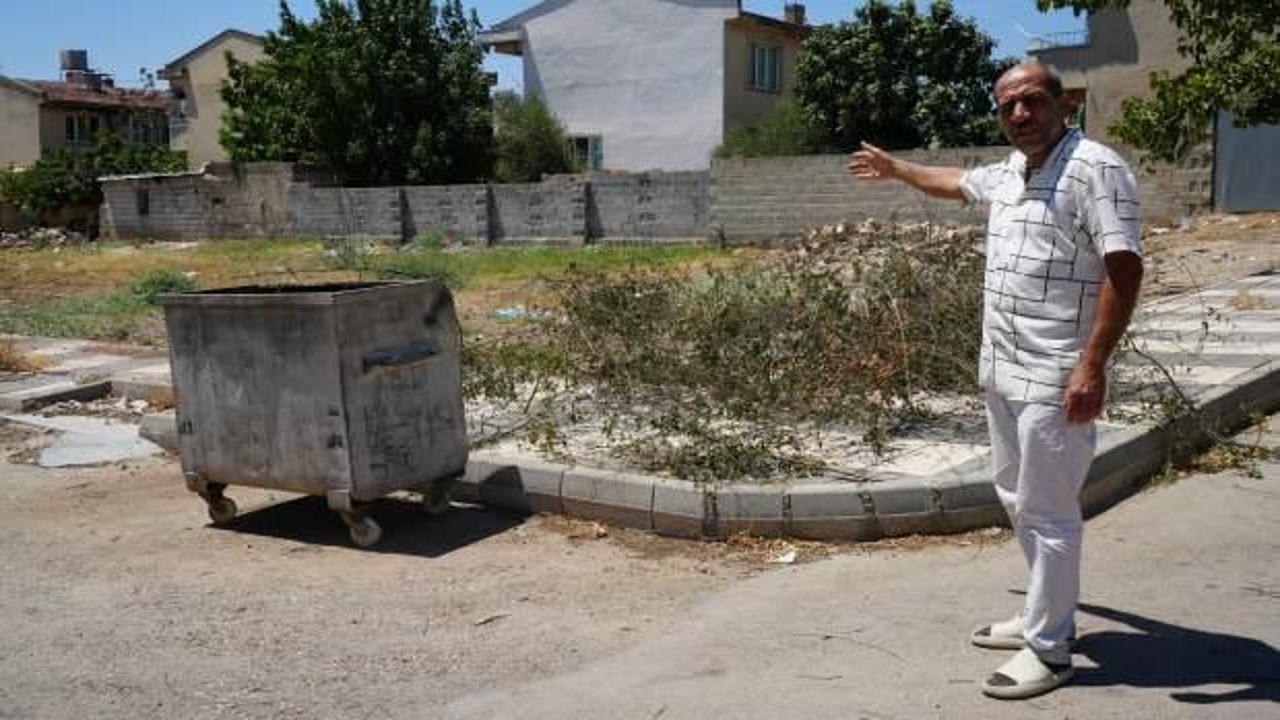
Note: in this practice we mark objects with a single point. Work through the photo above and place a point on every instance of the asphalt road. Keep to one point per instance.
(117, 599)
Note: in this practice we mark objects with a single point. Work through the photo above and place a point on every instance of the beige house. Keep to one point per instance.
(653, 84)
(195, 81)
(1114, 59)
(41, 116)
(1236, 170)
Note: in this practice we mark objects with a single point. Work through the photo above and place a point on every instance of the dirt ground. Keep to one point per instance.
(1210, 249)
(121, 600)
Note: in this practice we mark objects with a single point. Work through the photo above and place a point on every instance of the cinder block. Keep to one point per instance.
(614, 497)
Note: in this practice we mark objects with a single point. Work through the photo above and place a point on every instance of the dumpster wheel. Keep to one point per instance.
(365, 531)
(222, 509)
(435, 500)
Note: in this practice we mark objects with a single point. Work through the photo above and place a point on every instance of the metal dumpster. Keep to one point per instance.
(349, 391)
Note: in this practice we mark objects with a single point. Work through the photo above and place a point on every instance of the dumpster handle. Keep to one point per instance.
(411, 353)
(438, 303)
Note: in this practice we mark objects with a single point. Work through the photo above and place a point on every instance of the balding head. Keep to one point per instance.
(1032, 71)
(1031, 109)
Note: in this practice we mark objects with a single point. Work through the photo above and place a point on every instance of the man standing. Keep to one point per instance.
(1063, 270)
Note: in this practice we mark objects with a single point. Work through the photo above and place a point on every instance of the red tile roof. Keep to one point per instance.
(63, 93)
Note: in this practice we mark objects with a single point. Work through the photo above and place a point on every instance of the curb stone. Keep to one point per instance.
(37, 396)
(957, 500)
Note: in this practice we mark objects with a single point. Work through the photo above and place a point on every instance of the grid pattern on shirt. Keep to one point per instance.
(1045, 242)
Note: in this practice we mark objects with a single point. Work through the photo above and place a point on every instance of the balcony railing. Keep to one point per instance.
(1074, 38)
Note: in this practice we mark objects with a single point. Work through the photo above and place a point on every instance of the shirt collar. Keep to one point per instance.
(1019, 160)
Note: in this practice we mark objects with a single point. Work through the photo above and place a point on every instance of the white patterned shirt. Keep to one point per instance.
(1046, 238)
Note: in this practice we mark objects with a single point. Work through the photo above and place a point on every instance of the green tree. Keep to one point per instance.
(67, 177)
(530, 140)
(379, 91)
(1234, 49)
(788, 130)
(900, 79)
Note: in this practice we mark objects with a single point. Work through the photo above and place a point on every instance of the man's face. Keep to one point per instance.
(1031, 118)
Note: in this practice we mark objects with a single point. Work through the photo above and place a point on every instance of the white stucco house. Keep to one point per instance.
(652, 84)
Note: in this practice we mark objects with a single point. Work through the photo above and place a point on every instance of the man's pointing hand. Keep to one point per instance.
(872, 163)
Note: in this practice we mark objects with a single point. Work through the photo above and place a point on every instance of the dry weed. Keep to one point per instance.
(1245, 300)
(13, 359)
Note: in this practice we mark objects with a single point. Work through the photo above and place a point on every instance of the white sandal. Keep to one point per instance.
(1006, 635)
(1025, 676)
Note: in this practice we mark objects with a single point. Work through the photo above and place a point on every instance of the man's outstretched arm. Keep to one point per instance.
(872, 163)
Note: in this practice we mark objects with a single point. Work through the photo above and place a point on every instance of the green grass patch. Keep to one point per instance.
(111, 316)
(492, 267)
(128, 313)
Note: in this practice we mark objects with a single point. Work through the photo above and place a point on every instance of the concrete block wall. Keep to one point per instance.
(1171, 193)
(337, 211)
(459, 211)
(247, 200)
(550, 212)
(739, 201)
(764, 199)
(166, 208)
(649, 207)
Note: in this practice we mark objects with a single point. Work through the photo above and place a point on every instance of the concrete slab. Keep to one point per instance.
(43, 390)
(162, 429)
(144, 382)
(88, 440)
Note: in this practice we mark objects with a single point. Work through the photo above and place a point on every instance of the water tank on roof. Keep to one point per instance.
(75, 60)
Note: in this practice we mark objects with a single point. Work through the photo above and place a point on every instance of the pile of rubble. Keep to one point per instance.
(858, 247)
(114, 408)
(41, 238)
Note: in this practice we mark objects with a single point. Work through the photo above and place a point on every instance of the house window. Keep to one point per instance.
(766, 68)
(73, 131)
(1076, 99)
(95, 124)
(588, 151)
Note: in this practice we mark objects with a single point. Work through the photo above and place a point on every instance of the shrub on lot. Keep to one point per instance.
(157, 282)
(854, 327)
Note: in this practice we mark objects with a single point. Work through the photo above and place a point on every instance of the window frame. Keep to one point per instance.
(764, 68)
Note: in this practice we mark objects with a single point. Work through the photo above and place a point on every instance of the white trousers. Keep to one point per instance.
(1039, 462)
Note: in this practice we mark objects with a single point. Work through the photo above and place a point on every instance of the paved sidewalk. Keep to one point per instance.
(1181, 619)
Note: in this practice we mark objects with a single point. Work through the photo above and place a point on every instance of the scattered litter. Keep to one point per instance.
(490, 618)
(40, 238)
(785, 558)
(589, 531)
(517, 312)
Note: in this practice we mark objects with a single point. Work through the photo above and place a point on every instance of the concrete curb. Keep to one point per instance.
(960, 499)
(38, 396)
(957, 500)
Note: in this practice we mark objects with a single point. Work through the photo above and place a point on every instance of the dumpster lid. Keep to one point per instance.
(314, 294)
